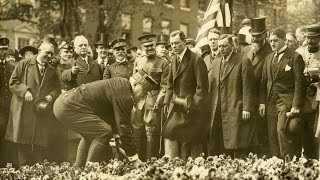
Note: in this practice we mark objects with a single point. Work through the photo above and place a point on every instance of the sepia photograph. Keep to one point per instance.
(159, 89)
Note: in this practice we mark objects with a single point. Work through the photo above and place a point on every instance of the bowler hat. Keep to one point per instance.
(147, 39)
(313, 30)
(258, 26)
(28, 48)
(42, 107)
(143, 78)
(190, 41)
(162, 39)
(103, 39)
(118, 43)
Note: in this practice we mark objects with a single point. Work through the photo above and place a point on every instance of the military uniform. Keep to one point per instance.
(147, 121)
(118, 69)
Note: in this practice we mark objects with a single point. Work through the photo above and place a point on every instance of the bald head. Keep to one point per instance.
(81, 45)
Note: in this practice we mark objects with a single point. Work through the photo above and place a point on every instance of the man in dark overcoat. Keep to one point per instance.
(30, 80)
(283, 89)
(232, 131)
(188, 78)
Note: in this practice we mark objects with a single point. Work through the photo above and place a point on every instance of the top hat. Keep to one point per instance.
(292, 125)
(242, 39)
(147, 39)
(258, 26)
(313, 30)
(182, 104)
(190, 41)
(205, 50)
(147, 82)
(118, 43)
(102, 40)
(162, 39)
(28, 48)
(42, 107)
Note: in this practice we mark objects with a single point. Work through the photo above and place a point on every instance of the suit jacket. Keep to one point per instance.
(189, 79)
(24, 126)
(289, 82)
(91, 72)
(234, 88)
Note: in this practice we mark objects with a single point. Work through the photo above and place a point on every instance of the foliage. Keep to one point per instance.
(213, 167)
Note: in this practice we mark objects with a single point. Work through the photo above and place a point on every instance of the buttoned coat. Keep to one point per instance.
(289, 82)
(24, 126)
(91, 72)
(235, 91)
(123, 69)
(190, 79)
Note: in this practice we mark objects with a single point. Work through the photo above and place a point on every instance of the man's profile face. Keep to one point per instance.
(102, 51)
(213, 40)
(45, 53)
(177, 44)
(313, 41)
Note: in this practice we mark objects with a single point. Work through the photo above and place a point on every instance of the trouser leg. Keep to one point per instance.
(140, 140)
(82, 152)
(171, 148)
(29, 155)
(308, 141)
(99, 151)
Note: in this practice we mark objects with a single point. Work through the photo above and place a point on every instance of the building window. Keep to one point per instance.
(148, 1)
(23, 42)
(169, 3)
(126, 21)
(184, 28)
(166, 27)
(147, 25)
(185, 5)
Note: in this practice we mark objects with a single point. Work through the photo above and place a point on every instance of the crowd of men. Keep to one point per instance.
(256, 91)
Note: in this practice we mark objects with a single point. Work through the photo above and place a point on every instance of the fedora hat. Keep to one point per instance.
(28, 48)
(313, 30)
(103, 39)
(42, 107)
(162, 39)
(258, 26)
(182, 104)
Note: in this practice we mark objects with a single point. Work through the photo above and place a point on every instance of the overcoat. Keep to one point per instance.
(190, 79)
(235, 90)
(24, 126)
(91, 72)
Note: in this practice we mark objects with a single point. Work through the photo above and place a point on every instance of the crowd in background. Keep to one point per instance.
(256, 91)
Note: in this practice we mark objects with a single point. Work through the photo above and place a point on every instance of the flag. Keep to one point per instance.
(217, 15)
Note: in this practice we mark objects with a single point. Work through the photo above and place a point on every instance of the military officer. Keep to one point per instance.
(147, 120)
(121, 67)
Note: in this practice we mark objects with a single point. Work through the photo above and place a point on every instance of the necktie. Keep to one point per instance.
(276, 58)
(42, 69)
(178, 61)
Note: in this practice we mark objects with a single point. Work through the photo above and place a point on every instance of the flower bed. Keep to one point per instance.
(213, 167)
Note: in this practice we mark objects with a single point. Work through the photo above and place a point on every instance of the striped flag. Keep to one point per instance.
(217, 15)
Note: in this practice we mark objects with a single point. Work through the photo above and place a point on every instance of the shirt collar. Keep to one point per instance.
(182, 54)
(281, 49)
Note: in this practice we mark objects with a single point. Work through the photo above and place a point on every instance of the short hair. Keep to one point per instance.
(293, 35)
(228, 37)
(180, 33)
(44, 44)
(214, 30)
(281, 33)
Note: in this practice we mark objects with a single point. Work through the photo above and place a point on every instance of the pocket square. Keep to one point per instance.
(287, 68)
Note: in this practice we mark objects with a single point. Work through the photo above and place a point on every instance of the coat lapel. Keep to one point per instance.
(283, 62)
(229, 66)
(48, 74)
(34, 70)
(184, 63)
(82, 64)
